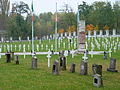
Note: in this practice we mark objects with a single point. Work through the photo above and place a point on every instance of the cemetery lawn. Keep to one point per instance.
(22, 77)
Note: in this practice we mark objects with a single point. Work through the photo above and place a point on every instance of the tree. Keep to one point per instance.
(17, 24)
(4, 7)
(4, 12)
(116, 10)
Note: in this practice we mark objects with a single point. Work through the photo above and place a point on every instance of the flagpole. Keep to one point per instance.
(78, 19)
(32, 32)
(56, 30)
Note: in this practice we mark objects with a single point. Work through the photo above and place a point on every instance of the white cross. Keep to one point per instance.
(48, 56)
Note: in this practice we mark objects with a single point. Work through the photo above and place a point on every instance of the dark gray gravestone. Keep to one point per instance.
(72, 68)
(68, 52)
(61, 53)
(17, 61)
(34, 62)
(105, 55)
(8, 57)
(64, 63)
(55, 68)
(112, 66)
(61, 61)
(97, 69)
(97, 80)
(52, 52)
(83, 68)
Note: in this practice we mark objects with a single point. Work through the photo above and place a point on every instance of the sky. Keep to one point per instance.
(41, 6)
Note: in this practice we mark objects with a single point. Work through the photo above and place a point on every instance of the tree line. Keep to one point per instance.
(98, 16)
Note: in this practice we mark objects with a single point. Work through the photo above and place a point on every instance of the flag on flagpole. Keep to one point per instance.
(32, 11)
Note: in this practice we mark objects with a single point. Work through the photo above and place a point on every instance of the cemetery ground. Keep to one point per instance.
(14, 77)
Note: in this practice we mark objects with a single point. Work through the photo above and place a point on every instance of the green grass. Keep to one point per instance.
(22, 77)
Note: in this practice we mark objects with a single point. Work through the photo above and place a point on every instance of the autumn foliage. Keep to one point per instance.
(106, 27)
(71, 28)
(61, 31)
(89, 27)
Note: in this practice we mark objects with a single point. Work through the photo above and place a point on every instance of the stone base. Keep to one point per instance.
(111, 70)
(17, 62)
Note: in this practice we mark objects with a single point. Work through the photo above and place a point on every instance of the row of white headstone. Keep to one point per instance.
(101, 33)
(66, 34)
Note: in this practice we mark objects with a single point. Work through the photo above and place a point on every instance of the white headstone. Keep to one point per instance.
(28, 38)
(72, 52)
(95, 33)
(2, 39)
(89, 34)
(15, 47)
(114, 32)
(101, 32)
(19, 38)
(110, 51)
(107, 32)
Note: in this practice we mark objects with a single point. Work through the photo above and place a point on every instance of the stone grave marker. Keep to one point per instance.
(112, 66)
(46, 47)
(81, 36)
(28, 38)
(89, 34)
(2, 39)
(107, 32)
(72, 52)
(52, 52)
(68, 52)
(63, 63)
(41, 46)
(105, 55)
(83, 68)
(40, 41)
(95, 34)
(34, 62)
(15, 47)
(52, 47)
(19, 47)
(72, 68)
(97, 80)
(37, 47)
(97, 69)
(101, 32)
(19, 38)
(55, 68)
(8, 57)
(114, 32)
(17, 61)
